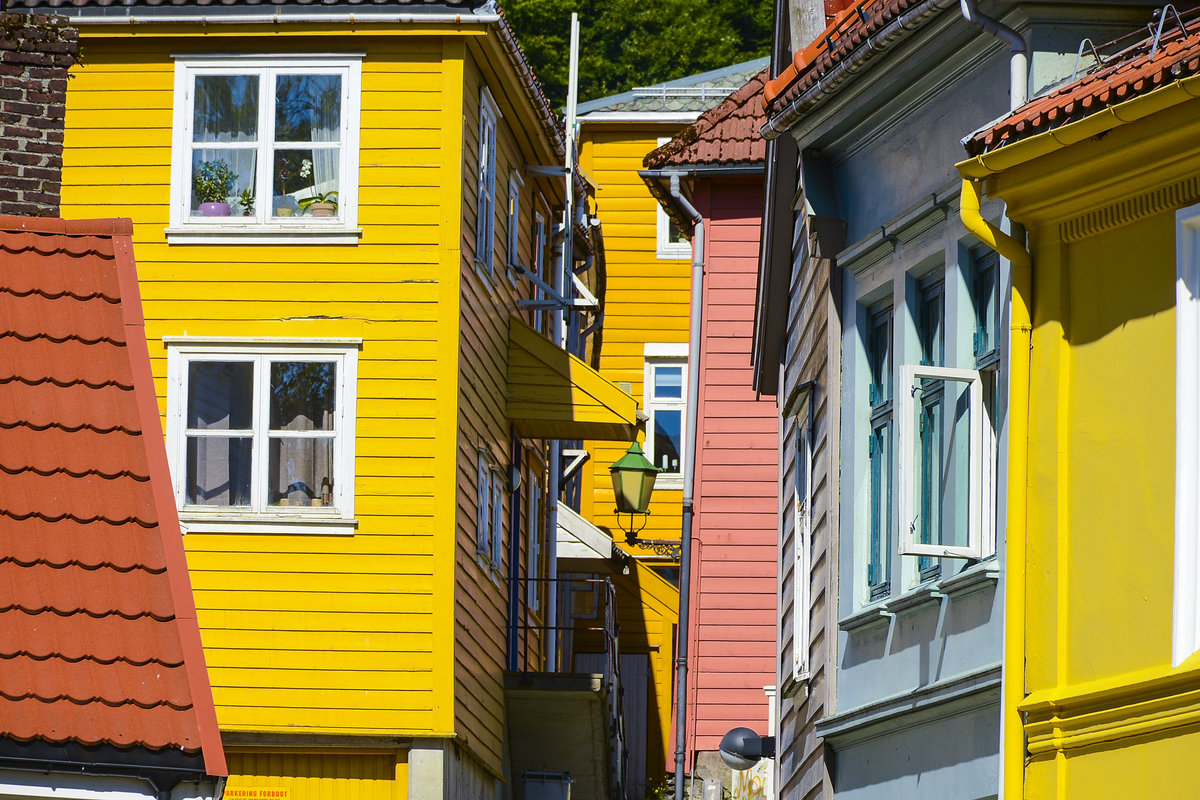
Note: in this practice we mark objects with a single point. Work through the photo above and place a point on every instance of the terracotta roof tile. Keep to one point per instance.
(726, 134)
(98, 637)
(1124, 76)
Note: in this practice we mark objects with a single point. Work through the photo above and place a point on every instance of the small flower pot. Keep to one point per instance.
(215, 209)
(283, 212)
(323, 209)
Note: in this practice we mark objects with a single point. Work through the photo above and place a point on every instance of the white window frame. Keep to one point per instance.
(665, 248)
(485, 187)
(655, 355)
(1185, 616)
(802, 553)
(905, 425)
(263, 228)
(515, 185)
(541, 239)
(338, 517)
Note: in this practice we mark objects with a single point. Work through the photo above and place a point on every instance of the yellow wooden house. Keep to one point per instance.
(337, 209)
(646, 317)
(1101, 672)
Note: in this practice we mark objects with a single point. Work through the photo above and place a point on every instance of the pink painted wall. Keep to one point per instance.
(732, 647)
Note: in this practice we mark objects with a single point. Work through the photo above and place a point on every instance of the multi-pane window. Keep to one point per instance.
(485, 187)
(514, 216)
(802, 546)
(879, 450)
(264, 143)
(931, 317)
(489, 520)
(985, 295)
(672, 242)
(263, 431)
(666, 402)
(533, 589)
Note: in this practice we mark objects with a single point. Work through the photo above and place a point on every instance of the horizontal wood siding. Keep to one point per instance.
(732, 651)
(318, 633)
(318, 775)
(481, 591)
(801, 763)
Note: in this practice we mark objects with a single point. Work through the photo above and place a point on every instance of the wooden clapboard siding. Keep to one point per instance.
(362, 775)
(733, 593)
(481, 612)
(647, 298)
(811, 355)
(313, 633)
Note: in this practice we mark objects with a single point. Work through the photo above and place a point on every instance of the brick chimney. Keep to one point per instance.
(35, 53)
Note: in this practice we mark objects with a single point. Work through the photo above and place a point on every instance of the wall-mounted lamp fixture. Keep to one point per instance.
(633, 484)
(742, 748)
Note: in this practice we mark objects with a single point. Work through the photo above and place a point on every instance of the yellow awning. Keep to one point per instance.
(554, 395)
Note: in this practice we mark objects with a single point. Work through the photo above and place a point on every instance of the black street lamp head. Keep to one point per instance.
(742, 748)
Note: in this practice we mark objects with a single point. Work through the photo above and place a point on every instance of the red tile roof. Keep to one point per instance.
(1128, 74)
(99, 643)
(849, 29)
(725, 134)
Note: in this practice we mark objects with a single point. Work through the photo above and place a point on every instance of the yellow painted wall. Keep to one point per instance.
(317, 774)
(648, 298)
(1104, 712)
(330, 634)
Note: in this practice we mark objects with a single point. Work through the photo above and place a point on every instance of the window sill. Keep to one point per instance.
(288, 524)
(927, 594)
(263, 234)
(668, 482)
(871, 617)
(796, 689)
(980, 576)
(680, 254)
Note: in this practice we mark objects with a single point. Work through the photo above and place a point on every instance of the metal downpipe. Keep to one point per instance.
(1018, 60)
(689, 478)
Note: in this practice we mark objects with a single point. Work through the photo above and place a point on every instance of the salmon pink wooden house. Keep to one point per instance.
(718, 161)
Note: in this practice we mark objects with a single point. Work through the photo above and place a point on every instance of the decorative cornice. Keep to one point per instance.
(1117, 708)
(1130, 210)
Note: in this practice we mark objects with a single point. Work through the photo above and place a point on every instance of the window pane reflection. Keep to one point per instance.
(300, 471)
(220, 395)
(218, 470)
(302, 395)
(667, 439)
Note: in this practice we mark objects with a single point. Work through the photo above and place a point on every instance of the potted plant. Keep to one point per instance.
(321, 205)
(291, 167)
(246, 201)
(213, 183)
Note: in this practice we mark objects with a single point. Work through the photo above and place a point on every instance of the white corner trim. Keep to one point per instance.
(1185, 618)
(665, 350)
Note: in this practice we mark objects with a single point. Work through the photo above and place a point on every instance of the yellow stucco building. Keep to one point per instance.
(335, 221)
(1101, 675)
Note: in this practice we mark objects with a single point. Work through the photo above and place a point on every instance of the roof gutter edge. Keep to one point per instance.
(83, 17)
(873, 46)
(1114, 116)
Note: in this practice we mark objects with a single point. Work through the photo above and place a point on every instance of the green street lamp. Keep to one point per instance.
(633, 483)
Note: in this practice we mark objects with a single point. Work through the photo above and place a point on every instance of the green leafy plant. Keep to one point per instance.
(246, 200)
(326, 197)
(213, 181)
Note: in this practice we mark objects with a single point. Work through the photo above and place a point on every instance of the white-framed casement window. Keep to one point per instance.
(940, 419)
(489, 520)
(1185, 627)
(261, 434)
(513, 243)
(265, 148)
(672, 242)
(534, 526)
(485, 187)
(665, 401)
(802, 549)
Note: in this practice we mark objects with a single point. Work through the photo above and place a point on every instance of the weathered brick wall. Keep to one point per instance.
(35, 53)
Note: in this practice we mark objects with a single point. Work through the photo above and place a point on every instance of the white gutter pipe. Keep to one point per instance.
(689, 480)
(1018, 60)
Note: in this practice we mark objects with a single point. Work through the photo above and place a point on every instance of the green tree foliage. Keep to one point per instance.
(628, 43)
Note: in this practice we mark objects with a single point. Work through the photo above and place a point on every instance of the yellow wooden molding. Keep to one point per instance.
(1147, 702)
(1133, 209)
